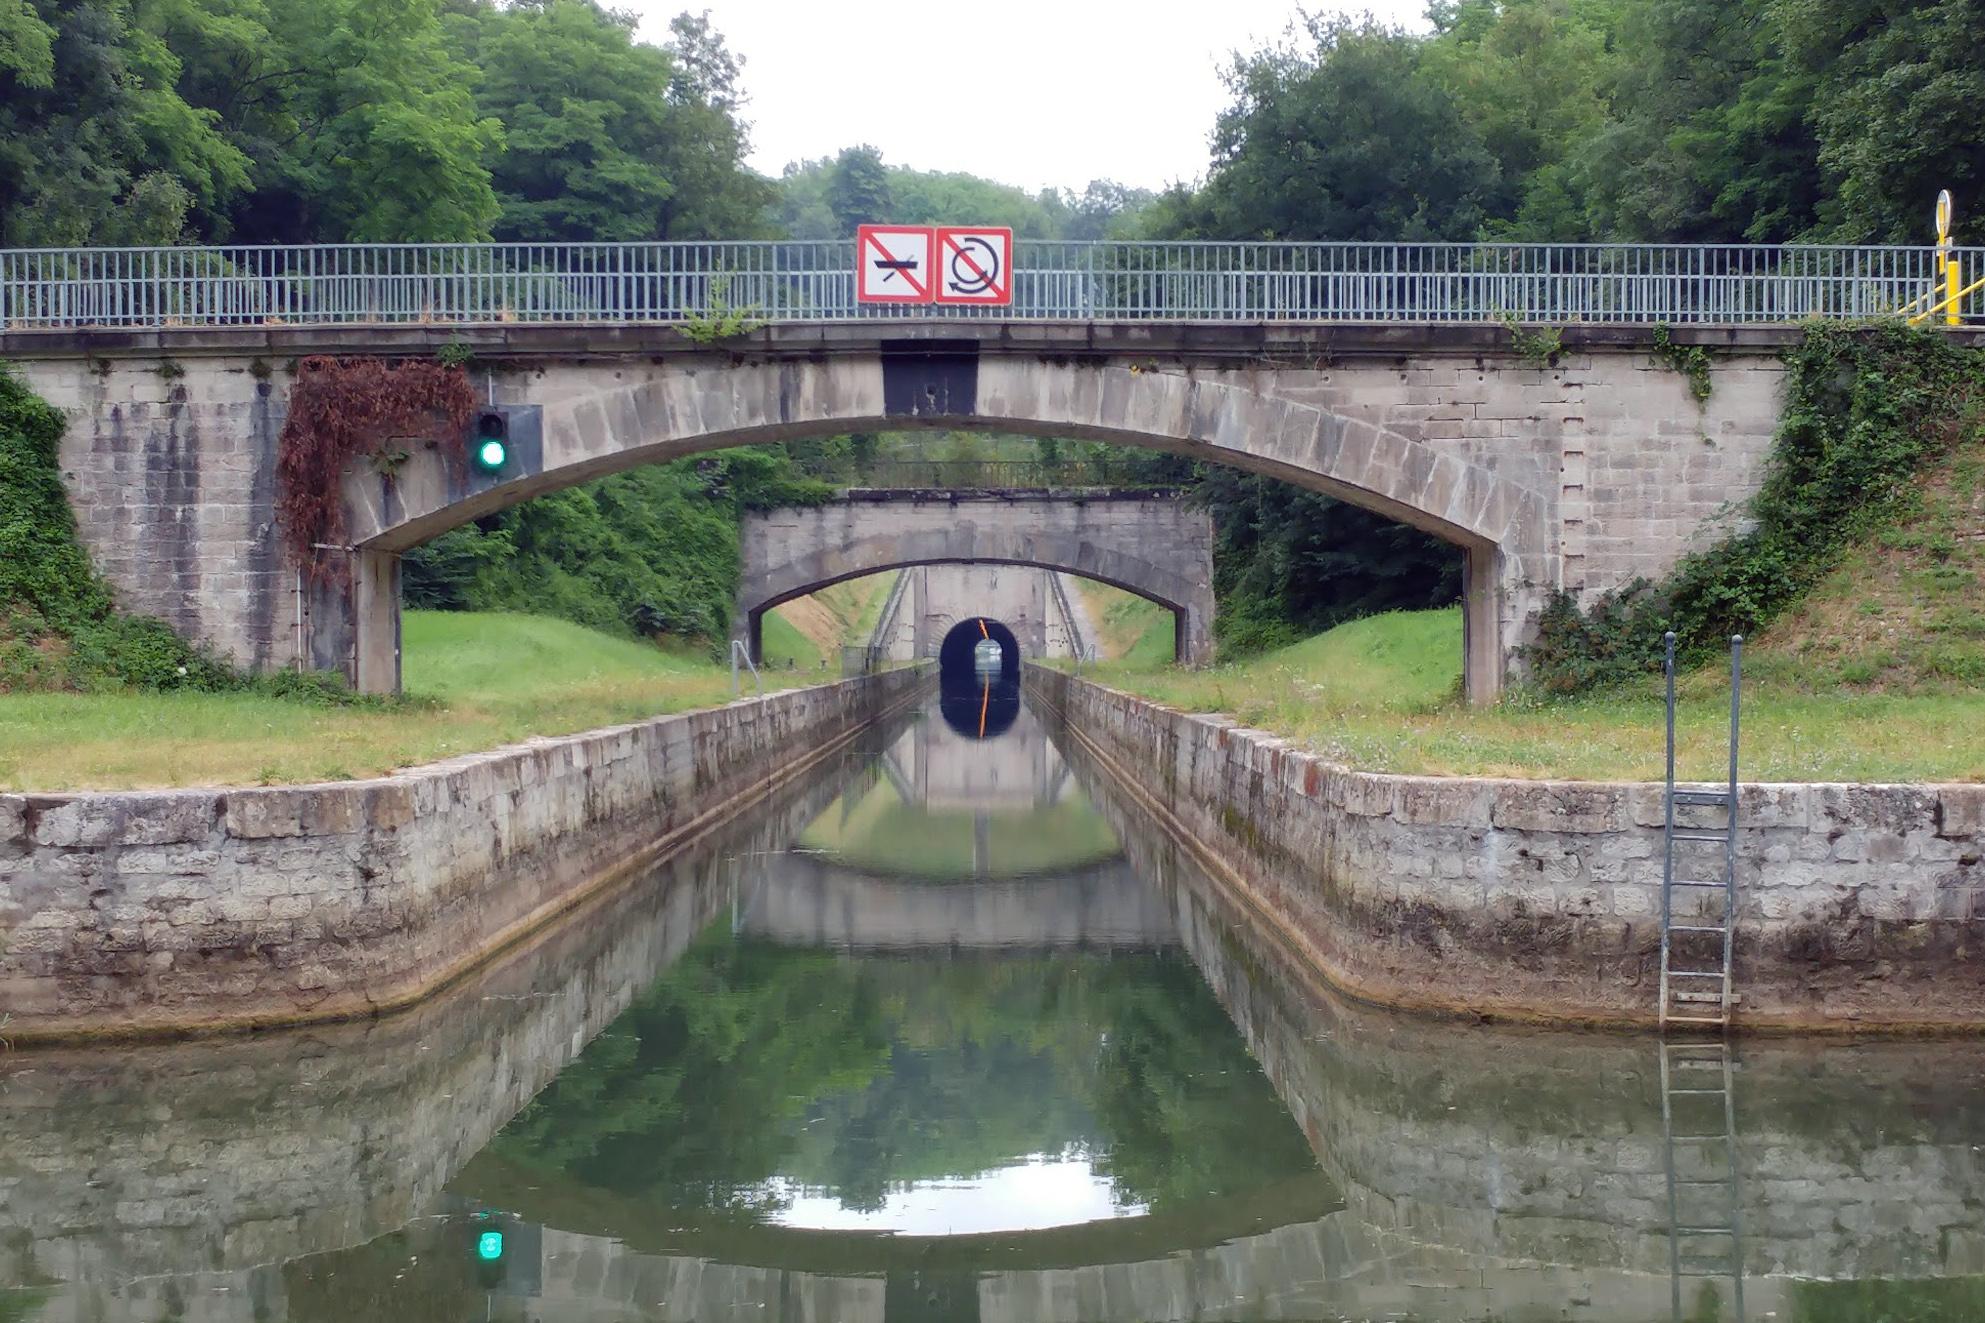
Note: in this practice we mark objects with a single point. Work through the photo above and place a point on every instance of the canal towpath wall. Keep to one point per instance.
(1859, 906)
(180, 911)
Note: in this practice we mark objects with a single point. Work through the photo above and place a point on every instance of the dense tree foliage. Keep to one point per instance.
(827, 199)
(156, 121)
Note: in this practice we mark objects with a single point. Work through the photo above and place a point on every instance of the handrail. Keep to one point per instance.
(732, 284)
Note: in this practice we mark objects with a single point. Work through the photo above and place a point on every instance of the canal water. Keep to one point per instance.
(949, 1034)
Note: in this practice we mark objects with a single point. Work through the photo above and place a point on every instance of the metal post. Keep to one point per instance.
(1668, 822)
(1730, 840)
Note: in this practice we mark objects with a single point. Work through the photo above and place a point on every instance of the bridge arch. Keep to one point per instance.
(1148, 543)
(572, 425)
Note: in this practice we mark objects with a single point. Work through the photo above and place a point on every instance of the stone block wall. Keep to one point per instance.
(1858, 905)
(180, 910)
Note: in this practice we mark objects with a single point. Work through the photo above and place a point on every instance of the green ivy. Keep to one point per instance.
(1866, 406)
(1692, 361)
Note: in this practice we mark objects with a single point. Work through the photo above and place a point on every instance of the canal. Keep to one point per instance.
(950, 1033)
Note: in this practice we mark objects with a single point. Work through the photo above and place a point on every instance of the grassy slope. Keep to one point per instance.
(803, 632)
(492, 679)
(1380, 693)
(1134, 629)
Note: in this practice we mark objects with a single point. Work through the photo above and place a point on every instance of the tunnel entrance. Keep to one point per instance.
(978, 669)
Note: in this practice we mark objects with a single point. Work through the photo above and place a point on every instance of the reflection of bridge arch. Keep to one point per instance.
(1148, 543)
(803, 900)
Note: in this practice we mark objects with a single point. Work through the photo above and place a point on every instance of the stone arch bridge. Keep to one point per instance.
(1147, 542)
(1578, 473)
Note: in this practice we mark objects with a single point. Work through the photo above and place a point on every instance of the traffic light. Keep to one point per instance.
(489, 449)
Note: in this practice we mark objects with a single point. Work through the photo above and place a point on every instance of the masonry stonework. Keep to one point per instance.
(151, 911)
(1150, 543)
(1582, 473)
(1858, 905)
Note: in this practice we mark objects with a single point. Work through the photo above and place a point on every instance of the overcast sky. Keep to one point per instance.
(1029, 92)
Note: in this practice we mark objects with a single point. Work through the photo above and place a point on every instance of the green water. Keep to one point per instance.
(950, 1035)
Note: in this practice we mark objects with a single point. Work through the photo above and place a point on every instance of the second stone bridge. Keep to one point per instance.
(1151, 543)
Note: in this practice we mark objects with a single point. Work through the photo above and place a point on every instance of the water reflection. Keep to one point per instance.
(766, 1085)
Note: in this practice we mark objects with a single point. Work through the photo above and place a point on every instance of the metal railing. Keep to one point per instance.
(1001, 474)
(773, 282)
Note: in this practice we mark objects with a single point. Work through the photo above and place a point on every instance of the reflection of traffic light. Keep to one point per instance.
(490, 1269)
(489, 449)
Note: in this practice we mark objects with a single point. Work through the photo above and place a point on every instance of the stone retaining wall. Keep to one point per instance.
(1859, 905)
(170, 911)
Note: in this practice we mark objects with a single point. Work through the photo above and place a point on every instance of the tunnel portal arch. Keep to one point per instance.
(1153, 544)
(979, 697)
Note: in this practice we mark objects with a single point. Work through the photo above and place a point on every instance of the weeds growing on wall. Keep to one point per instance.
(59, 627)
(346, 410)
(1865, 407)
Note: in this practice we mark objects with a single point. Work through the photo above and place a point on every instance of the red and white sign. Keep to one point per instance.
(893, 263)
(974, 264)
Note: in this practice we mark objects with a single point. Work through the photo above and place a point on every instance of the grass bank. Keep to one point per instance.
(475, 681)
(1382, 694)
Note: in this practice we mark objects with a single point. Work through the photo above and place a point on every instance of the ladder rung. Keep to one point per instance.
(1695, 928)
(1698, 998)
(1694, 1093)
(1695, 973)
(1720, 886)
(1706, 1272)
(1702, 1180)
(1702, 797)
(1698, 834)
(1697, 1019)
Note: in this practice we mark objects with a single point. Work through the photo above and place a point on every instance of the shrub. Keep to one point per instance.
(1866, 406)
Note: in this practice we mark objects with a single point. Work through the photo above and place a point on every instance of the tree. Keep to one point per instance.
(362, 125)
(1708, 141)
(1531, 78)
(585, 113)
(1896, 91)
(96, 143)
(1350, 140)
(857, 189)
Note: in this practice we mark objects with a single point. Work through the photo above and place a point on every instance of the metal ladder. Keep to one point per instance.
(1695, 976)
(1705, 1220)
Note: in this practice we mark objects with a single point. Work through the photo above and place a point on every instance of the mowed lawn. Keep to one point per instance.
(476, 681)
(1383, 694)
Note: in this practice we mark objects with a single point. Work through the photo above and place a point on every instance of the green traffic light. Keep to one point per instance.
(491, 450)
(489, 1246)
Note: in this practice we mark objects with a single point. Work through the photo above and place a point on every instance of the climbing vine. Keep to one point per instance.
(1866, 407)
(343, 410)
(1692, 361)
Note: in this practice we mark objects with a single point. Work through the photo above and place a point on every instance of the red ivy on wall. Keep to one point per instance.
(343, 410)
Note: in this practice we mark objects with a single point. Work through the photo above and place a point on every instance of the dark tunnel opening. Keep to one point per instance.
(978, 668)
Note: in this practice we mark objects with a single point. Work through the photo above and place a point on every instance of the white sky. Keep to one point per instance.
(1028, 92)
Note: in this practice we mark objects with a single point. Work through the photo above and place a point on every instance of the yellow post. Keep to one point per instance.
(1947, 266)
